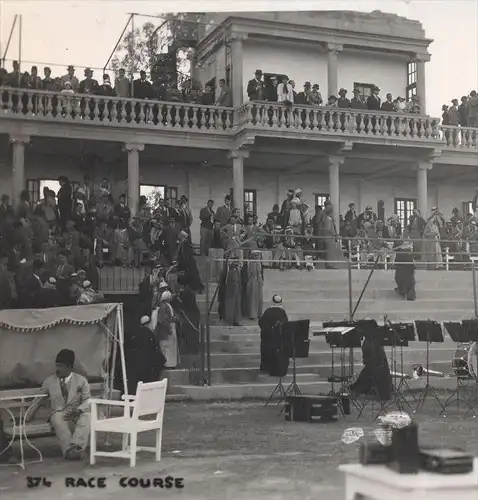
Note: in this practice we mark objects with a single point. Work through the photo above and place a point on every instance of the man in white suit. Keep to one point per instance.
(69, 397)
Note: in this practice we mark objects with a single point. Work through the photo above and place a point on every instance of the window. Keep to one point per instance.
(404, 208)
(467, 208)
(411, 80)
(365, 90)
(172, 195)
(250, 200)
(154, 192)
(320, 199)
(35, 187)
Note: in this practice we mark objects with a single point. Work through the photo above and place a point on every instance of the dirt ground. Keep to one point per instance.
(228, 451)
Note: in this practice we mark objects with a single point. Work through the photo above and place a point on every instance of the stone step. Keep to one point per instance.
(370, 294)
(252, 359)
(406, 315)
(375, 306)
(263, 391)
(307, 371)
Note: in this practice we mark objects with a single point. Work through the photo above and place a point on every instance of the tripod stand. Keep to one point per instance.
(429, 331)
(279, 389)
(296, 344)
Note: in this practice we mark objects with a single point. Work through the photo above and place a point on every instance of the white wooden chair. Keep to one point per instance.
(149, 400)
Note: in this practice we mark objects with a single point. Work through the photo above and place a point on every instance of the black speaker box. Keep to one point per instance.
(304, 408)
(405, 458)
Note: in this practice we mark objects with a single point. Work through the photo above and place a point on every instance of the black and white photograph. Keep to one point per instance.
(238, 249)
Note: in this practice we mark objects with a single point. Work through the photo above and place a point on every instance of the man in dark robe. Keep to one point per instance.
(187, 263)
(189, 318)
(144, 358)
(405, 271)
(269, 323)
(230, 294)
(375, 378)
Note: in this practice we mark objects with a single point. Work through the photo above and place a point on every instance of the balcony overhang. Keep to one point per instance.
(319, 36)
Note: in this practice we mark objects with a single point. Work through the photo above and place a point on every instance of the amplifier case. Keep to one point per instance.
(304, 408)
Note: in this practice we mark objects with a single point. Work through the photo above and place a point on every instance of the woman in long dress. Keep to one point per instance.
(254, 286)
(166, 330)
(415, 232)
(431, 248)
(329, 232)
(232, 294)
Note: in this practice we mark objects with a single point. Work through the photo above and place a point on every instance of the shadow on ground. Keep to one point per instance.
(229, 451)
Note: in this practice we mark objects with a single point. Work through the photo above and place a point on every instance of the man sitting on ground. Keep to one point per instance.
(69, 397)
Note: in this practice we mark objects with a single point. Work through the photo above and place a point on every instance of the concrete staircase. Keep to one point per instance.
(322, 295)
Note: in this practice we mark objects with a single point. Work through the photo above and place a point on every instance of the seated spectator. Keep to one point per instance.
(68, 395)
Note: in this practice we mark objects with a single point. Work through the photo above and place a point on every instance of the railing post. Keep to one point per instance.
(203, 340)
(447, 258)
(351, 313)
(208, 321)
(475, 301)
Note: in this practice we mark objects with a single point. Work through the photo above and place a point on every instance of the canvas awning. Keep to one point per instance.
(33, 320)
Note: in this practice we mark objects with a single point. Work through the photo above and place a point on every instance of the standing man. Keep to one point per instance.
(224, 213)
(70, 77)
(225, 95)
(207, 230)
(271, 318)
(69, 397)
(255, 87)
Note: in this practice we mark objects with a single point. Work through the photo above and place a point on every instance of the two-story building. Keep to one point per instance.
(257, 151)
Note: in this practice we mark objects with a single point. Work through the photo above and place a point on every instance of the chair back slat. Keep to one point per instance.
(150, 399)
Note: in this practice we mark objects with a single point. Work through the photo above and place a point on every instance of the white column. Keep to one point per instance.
(133, 176)
(422, 186)
(18, 165)
(359, 195)
(334, 186)
(237, 61)
(333, 51)
(238, 178)
(420, 60)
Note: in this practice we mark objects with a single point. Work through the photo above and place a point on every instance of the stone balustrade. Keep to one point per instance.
(44, 105)
(53, 106)
(334, 121)
(459, 137)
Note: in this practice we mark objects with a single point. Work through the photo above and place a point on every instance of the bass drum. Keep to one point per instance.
(464, 361)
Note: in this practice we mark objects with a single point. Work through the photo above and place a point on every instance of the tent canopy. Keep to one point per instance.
(34, 320)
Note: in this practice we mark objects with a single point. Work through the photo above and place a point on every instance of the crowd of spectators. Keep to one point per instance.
(283, 90)
(51, 251)
(141, 88)
(464, 114)
(294, 237)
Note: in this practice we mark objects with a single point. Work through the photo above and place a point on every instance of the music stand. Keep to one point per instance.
(279, 389)
(296, 343)
(390, 338)
(406, 333)
(340, 335)
(459, 335)
(429, 331)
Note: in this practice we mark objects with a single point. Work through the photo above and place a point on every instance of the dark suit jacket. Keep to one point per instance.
(373, 103)
(255, 90)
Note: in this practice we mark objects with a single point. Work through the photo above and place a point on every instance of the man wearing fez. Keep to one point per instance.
(69, 397)
(272, 360)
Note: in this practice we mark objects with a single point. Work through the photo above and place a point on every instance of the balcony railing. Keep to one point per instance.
(54, 106)
(336, 121)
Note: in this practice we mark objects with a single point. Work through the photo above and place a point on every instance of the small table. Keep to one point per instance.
(25, 403)
(376, 482)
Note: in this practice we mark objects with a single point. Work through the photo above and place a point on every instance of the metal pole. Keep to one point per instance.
(203, 339)
(131, 55)
(475, 301)
(351, 314)
(20, 45)
(208, 331)
(118, 42)
(10, 38)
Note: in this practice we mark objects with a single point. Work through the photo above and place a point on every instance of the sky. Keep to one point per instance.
(84, 33)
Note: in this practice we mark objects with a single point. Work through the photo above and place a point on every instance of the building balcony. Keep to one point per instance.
(226, 124)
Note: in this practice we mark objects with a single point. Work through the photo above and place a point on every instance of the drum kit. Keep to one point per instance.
(465, 361)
